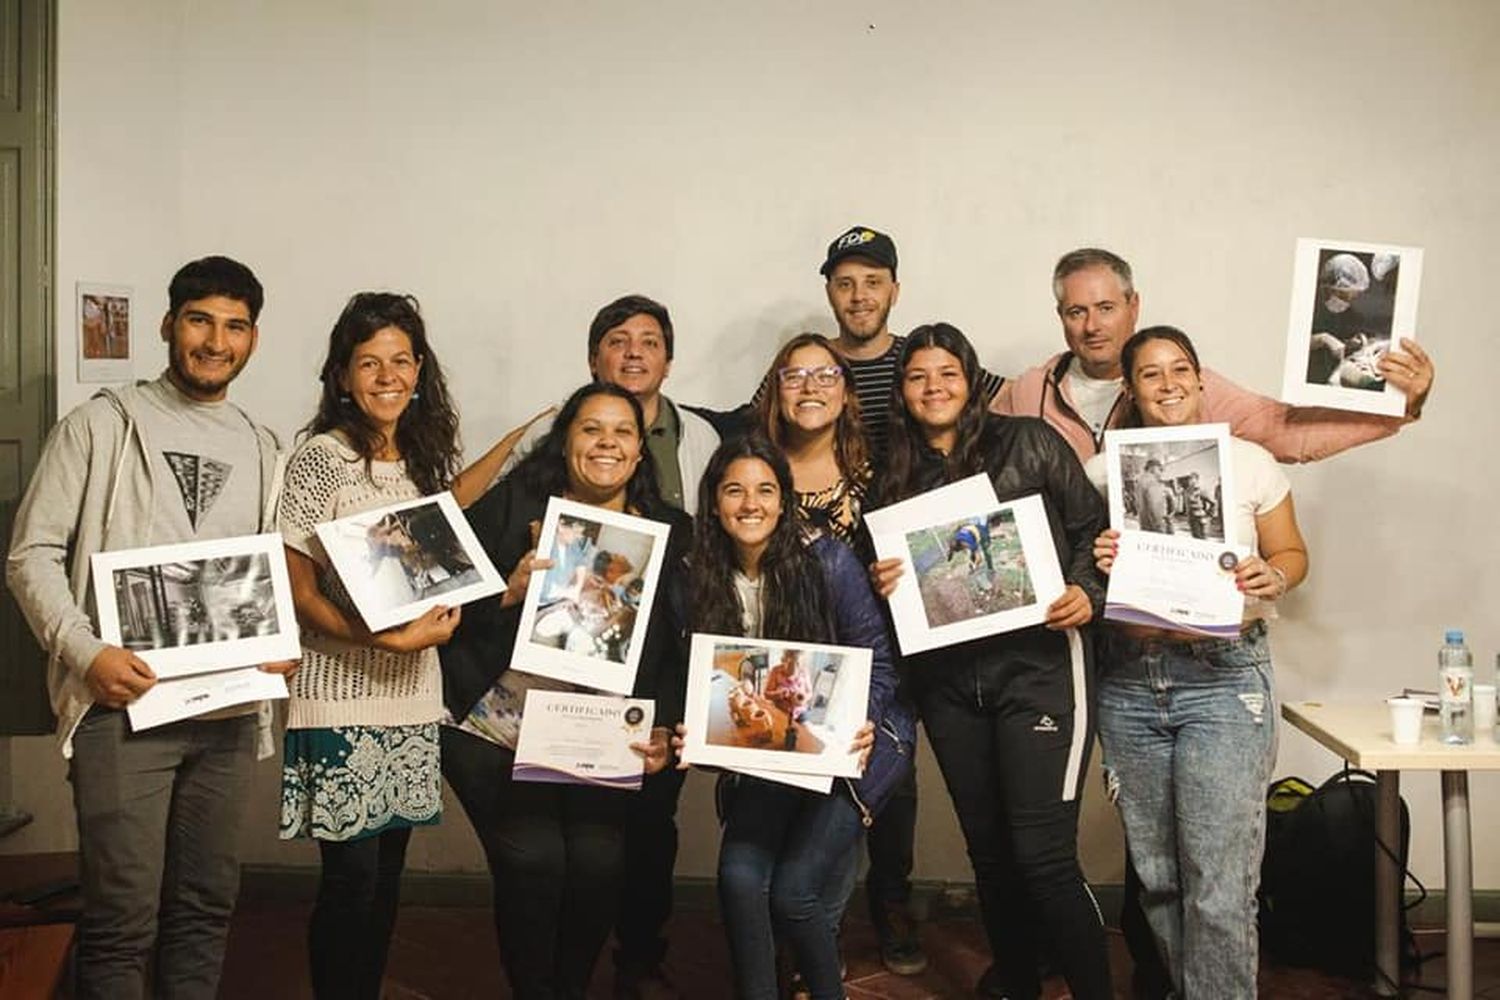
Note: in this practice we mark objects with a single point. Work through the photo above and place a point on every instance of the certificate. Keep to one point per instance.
(184, 697)
(1175, 583)
(582, 739)
(1171, 497)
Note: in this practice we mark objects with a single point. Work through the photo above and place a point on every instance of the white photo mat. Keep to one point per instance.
(1296, 388)
(968, 499)
(1215, 435)
(383, 602)
(107, 329)
(180, 624)
(1173, 580)
(185, 697)
(709, 717)
(590, 668)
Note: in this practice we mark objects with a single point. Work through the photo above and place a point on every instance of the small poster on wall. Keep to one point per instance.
(104, 332)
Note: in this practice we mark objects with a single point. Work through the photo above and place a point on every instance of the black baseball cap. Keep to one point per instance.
(861, 241)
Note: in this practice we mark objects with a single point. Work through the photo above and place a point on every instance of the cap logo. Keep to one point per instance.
(854, 238)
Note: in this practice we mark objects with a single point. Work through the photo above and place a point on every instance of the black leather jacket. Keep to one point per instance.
(481, 647)
(1022, 455)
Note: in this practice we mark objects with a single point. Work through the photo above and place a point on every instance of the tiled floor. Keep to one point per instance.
(449, 952)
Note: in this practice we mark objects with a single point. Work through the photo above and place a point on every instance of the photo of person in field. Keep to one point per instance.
(970, 567)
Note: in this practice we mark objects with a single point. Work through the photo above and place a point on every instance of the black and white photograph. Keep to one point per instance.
(397, 561)
(579, 620)
(104, 332)
(200, 606)
(1171, 481)
(1351, 303)
(775, 706)
(967, 575)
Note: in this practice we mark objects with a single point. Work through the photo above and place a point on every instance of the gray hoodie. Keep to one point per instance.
(93, 490)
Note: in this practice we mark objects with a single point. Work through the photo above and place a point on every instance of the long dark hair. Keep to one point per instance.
(1133, 346)
(849, 448)
(908, 447)
(427, 433)
(544, 470)
(794, 596)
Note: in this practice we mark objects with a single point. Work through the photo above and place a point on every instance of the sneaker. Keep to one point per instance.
(900, 948)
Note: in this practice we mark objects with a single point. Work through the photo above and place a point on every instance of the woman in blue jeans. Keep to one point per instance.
(1189, 724)
(786, 849)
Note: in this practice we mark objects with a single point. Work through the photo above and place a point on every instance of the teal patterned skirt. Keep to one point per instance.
(355, 781)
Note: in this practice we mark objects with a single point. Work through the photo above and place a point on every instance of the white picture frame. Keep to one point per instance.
(751, 705)
(1351, 302)
(399, 560)
(198, 607)
(1192, 457)
(581, 626)
(107, 330)
(1012, 571)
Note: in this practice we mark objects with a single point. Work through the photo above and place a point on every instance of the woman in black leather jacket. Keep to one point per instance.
(555, 851)
(1010, 716)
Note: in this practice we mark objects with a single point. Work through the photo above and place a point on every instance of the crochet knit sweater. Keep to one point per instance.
(342, 683)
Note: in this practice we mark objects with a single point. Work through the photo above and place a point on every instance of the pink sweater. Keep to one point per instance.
(1291, 433)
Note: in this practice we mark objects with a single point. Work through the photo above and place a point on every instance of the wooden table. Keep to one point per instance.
(1361, 734)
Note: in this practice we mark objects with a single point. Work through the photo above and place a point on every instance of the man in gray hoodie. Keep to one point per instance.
(158, 811)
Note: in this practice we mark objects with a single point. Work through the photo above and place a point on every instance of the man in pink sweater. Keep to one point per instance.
(1078, 391)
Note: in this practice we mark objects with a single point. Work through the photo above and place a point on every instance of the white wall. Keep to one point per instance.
(516, 165)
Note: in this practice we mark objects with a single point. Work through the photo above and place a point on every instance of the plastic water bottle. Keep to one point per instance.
(1456, 688)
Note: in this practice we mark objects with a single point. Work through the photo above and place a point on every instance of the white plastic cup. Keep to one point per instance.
(1406, 720)
(1484, 711)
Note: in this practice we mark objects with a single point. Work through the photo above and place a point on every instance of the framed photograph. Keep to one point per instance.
(1351, 303)
(198, 607)
(400, 560)
(1169, 490)
(1172, 481)
(974, 566)
(584, 619)
(104, 333)
(785, 707)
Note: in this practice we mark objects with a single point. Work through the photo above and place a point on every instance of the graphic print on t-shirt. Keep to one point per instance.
(200, 479)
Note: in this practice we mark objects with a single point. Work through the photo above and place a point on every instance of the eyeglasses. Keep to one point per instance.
(823, 376)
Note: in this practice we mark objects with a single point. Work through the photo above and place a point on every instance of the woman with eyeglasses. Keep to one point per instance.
(808, 409)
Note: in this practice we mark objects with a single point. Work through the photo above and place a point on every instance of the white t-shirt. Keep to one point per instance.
(1093, 398)
(1260, 484)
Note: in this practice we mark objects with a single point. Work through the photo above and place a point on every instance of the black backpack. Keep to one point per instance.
(1317, 879)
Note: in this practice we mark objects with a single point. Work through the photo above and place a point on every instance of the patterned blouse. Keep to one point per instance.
(839, 508)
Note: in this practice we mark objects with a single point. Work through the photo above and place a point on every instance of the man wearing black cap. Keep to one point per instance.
(860, 271)
(860, 274)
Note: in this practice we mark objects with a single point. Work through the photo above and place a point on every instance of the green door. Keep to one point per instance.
(26, 318)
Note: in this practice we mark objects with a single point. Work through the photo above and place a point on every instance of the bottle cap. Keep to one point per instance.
(1454, 637)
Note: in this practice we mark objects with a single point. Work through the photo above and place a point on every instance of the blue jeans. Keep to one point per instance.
(784, 860)
(1189, 734)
